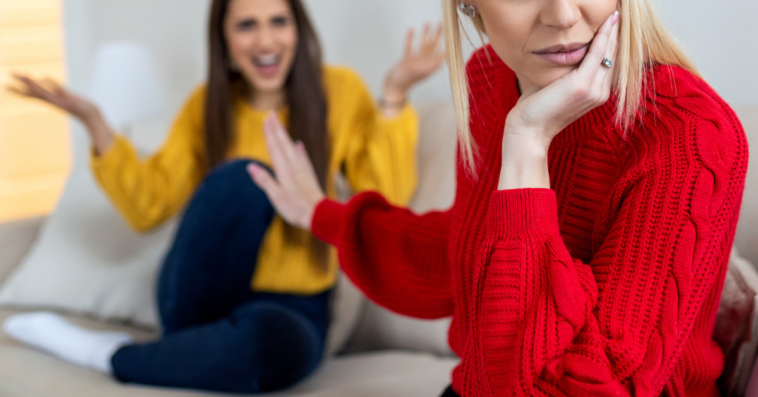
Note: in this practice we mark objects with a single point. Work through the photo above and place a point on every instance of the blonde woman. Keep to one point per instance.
(599, 186)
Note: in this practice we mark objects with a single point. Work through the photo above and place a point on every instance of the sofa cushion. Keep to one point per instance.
(381, 329)
(15, 240)
(28, 373)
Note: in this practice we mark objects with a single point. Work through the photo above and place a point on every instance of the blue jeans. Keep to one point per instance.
(218, 334)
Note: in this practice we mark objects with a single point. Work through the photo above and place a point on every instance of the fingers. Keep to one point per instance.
(16, 78)
(286, 146)
(425, 35)
(305, 161)
(606, 79)
(265, 181)
(290, 160)
(592, 62)
(31, 87)
(437, 37)
(275, 152)
(409, 42)
(430, 41)
(440, 32)
(604, 76)
(15, 90)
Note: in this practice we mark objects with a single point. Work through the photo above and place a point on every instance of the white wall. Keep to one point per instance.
(368, 35)
(173, 31)
(722, 37)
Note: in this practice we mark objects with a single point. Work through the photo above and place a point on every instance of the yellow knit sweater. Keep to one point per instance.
(375, 153)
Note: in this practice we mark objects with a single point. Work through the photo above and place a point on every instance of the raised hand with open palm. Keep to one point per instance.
(52, 93)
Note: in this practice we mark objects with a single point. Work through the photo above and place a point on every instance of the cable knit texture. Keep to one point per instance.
(606, 284)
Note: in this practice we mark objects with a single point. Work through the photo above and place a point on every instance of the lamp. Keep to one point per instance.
(125, 85)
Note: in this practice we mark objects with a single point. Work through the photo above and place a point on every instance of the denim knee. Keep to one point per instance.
(231, 184)
(232, 173)
(284, 346)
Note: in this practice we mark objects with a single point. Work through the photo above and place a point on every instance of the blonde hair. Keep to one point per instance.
(643, 40)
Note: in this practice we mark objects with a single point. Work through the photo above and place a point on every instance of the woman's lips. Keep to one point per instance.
(268, 64)
(564, 54)
(268, 71)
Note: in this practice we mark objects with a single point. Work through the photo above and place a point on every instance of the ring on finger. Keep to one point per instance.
(607, 63)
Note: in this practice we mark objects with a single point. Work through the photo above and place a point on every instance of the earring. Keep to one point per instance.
(468, 10)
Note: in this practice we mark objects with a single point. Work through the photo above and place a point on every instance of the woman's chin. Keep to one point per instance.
(549, 76)
(265, 84)
(268, 85)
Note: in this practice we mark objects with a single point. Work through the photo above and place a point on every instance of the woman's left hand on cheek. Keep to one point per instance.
(416, 65)
(295, 192)
(543, 113)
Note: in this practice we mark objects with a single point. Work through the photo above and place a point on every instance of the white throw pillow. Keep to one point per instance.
(87, 260)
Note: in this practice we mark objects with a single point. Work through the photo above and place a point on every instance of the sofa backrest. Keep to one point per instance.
(747, 233)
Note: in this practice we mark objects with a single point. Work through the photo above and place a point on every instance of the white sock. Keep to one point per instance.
(52, 334)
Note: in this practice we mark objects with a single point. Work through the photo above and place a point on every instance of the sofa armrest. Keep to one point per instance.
(15, 240)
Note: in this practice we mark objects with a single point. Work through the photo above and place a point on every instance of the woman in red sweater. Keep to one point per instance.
(596, 206)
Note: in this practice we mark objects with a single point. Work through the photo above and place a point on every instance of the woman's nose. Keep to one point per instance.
(561, 14)
(264, 37)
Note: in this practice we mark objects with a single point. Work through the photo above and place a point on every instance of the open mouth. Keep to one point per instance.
(267, 65)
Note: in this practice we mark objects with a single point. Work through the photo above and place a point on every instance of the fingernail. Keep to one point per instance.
(615, 17)
(252, 168)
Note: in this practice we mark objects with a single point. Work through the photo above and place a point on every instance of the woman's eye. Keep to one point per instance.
(246, 24)
(280, 21)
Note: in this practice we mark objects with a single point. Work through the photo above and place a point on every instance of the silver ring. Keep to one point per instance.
(607, 63)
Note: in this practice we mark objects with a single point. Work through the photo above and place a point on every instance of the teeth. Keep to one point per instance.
(267, 60)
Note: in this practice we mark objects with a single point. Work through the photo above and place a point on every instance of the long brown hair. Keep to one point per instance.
(306, 97)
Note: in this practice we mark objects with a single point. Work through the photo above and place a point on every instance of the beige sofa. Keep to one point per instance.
(422, 368)
(414, 371)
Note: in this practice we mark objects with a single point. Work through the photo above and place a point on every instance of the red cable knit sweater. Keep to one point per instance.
(606, 284)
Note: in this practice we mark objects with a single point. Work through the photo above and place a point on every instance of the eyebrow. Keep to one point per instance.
(256, 19)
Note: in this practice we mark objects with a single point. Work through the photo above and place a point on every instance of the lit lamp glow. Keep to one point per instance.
(125, 85)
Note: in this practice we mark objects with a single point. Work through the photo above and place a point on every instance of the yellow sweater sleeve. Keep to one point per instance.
(380, 153)
(148, 191)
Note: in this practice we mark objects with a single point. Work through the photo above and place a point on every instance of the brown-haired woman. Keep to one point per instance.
(243, 297)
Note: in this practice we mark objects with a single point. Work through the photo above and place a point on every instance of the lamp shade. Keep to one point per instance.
(125, 84)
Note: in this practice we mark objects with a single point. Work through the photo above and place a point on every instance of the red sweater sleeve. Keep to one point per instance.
(549, 324)
(397, 258)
